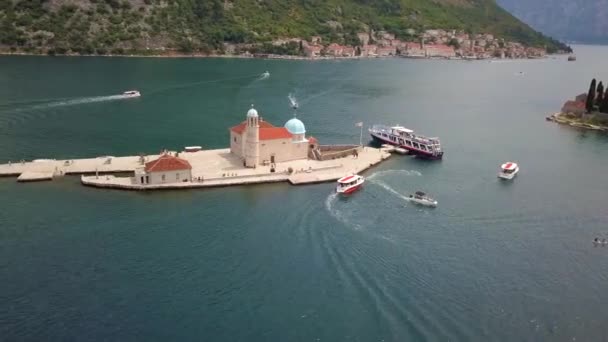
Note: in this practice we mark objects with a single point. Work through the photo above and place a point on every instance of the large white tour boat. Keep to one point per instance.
(407, 139)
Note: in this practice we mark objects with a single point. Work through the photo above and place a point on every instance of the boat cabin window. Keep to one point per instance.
(416, 145)
(408, 143)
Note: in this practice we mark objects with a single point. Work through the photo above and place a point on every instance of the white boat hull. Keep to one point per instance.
(508, 176)
(432, 204)
(345, 190)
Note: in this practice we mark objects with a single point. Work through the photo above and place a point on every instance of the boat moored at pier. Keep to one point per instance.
(406, 139)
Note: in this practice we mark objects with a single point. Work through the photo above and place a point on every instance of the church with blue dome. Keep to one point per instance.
(258, 142)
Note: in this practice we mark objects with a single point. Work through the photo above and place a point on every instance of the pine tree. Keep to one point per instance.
(604, 105)
(591, 97)
(600, 95)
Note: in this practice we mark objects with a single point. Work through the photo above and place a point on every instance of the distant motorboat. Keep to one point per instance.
(508, 170)
(571, 58)
(131, 93)
(421, 198)
(266, 74)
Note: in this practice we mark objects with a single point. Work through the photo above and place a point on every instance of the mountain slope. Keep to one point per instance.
(101, 26)
(576, 20)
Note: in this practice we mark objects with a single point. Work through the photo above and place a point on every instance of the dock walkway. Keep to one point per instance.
(210, 168)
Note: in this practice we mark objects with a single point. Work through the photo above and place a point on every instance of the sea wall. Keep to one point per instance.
(329, 152)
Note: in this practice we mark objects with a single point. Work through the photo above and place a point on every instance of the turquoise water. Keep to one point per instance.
(495, 261)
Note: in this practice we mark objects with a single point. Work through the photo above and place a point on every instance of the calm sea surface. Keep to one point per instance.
(495, 261)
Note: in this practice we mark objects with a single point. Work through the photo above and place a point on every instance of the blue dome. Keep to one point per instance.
(295, 126)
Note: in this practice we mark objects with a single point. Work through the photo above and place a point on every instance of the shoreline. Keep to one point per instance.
(210, 168)
(270, 57)
(563, 119)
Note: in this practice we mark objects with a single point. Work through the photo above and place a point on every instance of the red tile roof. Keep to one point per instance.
(167, 163)
(267, 131)
(240, 128)
(274, 133)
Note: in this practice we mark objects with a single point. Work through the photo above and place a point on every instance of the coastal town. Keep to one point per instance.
(446, 44)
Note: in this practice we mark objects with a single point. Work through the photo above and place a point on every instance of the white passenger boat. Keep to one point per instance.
(508, 170)
(349, 184)
(423, 199)
(131, 93)
(405, 138)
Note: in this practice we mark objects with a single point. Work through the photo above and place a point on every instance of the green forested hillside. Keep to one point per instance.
(120, 26)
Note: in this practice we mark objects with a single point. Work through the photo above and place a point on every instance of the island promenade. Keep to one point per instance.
(210, 168)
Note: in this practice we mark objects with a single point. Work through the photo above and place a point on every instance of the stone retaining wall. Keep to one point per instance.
(329, 152)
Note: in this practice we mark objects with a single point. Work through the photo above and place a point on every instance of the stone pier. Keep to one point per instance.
(210, 168)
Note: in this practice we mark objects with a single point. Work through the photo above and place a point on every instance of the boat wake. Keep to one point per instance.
(397, 172)
(293, 101)
(36, 109)
(391, 190)
(337, 214)
(264, 75)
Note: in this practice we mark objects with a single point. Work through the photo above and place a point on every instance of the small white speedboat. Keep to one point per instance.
(131, 93)
(266, 74)
(508, 170)
(421, 198)
(400, 150)
(349, 184)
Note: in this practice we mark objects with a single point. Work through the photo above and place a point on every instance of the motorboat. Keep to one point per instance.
(421, 198)
(400, 150)
(571, 58)
(131, 93)
(406, 139)
(349, 184)
(266, 74)
(508, 170)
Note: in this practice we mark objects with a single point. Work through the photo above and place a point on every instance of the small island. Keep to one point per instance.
(588, 110)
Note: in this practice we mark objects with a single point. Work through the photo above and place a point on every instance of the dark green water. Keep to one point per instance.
(494, 262)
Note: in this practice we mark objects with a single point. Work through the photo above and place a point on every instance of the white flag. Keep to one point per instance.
(359, 124)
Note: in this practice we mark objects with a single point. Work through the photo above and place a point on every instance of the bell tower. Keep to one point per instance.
(252, 141)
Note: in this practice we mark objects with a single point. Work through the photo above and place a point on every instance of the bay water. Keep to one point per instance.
(496, 261)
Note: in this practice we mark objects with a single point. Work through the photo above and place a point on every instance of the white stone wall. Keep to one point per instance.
(283, 150)
(236, 144)
(170, 177)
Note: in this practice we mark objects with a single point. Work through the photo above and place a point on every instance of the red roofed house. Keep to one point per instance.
(165, 169)
(440, 50)
(257, 142)
(574, 107)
